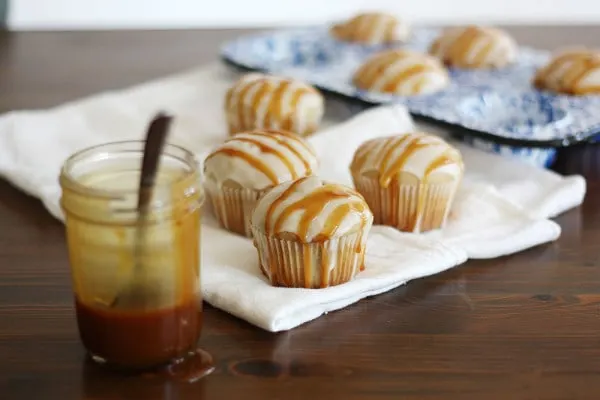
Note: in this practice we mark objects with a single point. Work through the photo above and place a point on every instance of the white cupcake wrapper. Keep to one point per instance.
(310, 265)
(233, 207)
(404, 212)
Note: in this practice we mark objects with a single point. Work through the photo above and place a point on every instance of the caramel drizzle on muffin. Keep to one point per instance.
(567, 71)
(311, 206)
(267, 141)
(455, 47)
(259, 101)
(369, 28)
(391, 161)
(389, 156)
(389, 70)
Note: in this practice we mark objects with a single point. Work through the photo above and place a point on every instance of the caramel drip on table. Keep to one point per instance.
(253, 161)
(269, 150)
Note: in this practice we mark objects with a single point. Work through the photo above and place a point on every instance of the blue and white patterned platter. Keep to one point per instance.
(495, 104)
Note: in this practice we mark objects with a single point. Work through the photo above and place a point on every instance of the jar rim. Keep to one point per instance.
(188, 158)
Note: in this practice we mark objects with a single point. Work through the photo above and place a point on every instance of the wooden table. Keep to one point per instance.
(525, 326)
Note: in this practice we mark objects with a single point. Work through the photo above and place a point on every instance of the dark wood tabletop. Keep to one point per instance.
(526, 326)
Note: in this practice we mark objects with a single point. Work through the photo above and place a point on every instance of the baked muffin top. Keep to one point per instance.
(371, 28)
(571, 71)
(417, 153)
(474, 46)
(260, 159)
(310, 210)
(402, 72)
(260, 101)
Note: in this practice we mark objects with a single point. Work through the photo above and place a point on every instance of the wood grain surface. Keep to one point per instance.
(525, 326)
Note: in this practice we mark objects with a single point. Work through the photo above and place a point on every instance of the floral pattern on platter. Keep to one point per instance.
(500, 102)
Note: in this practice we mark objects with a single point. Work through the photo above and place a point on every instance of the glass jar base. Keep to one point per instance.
(193, 366)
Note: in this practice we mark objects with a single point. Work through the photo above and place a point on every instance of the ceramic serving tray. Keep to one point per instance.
(497, 109)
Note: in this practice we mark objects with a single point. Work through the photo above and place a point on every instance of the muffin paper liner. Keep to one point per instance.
(291, 263)
(233, 207)
(408, 207)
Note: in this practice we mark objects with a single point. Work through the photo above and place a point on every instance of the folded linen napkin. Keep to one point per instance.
(500, 208)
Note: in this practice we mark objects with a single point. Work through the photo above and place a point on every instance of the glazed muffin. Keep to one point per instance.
(473, 47)
(573, 71)
(240, 170)
(402, 72)
(408, 180)
(258, 101)
(371, 28)
(311, 234)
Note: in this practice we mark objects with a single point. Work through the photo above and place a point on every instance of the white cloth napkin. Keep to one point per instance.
(501, 208)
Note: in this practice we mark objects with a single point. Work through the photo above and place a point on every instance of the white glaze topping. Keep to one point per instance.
(575, 71)
(258, 101)
(311, 209)
(372, 28)
(474, 47)
(260, 159)
(417, 153)
(402, 72)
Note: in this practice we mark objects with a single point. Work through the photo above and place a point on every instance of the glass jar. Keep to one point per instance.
(137, 287)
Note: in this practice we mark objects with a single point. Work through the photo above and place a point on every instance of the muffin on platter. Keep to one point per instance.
(371, 28)
(474, 47)
(574, 71)
(402, 72)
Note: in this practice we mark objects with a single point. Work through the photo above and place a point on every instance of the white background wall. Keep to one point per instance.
(134, 14)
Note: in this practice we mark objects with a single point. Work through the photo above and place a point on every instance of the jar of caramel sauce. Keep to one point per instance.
(137, 297)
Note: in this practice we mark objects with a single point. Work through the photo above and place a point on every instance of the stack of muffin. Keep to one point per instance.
(262, 183)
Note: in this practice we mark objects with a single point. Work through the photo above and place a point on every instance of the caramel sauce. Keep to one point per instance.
(481, 57)
(140, 339)
(274, 106)
(411, 147)
(250, 159)
(274, 135)
(462, 44)
(282, 197)
(404, 75)
(442, 160)
(259, 95)
(269, 150)
(241, 101)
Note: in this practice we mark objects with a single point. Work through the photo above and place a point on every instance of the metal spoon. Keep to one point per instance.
(133, 293)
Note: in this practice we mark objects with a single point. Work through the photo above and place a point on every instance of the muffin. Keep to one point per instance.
(408, 180)
(473, 47)
(311, 234)
(258, 101)
(241, 169)
(401, 72)
(573, 71)
(371, 29)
